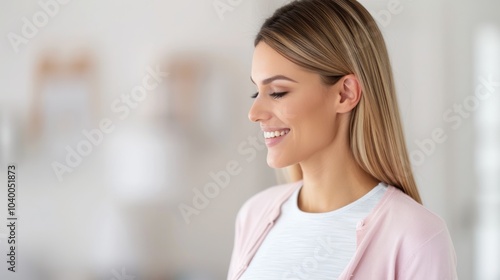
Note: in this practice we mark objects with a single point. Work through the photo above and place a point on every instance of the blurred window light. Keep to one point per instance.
(487, 153)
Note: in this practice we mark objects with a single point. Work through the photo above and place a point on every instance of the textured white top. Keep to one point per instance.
(315, 246)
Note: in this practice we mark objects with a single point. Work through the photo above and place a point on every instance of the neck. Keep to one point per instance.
(333, 179)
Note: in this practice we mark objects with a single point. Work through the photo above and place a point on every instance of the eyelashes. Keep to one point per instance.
(274, 95)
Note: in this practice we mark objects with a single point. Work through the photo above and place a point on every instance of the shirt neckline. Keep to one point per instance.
(293, 200)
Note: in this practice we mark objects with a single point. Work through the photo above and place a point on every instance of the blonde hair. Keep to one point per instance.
(335, 38)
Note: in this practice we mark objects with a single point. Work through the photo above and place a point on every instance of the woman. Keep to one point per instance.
(326, 104)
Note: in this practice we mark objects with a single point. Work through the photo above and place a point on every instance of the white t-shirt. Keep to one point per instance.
(312, 246)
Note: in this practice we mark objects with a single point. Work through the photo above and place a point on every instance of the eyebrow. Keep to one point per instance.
(274, 78)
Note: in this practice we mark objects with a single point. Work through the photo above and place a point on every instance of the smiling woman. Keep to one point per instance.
(327, 106)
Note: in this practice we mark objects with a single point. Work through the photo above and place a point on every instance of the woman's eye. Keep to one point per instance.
(277, 95)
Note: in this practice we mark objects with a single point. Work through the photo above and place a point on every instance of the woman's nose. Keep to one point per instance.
(258, 112)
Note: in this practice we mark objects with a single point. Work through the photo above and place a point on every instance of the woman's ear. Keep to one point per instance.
(349, 93)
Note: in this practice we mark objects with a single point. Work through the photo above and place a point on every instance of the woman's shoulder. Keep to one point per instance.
(408, 206)
(402, 214)
(407, 232)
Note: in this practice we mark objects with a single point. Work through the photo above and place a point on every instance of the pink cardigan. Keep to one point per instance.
(399, 239)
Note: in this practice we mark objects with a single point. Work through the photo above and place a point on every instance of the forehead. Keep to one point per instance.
(267, 62)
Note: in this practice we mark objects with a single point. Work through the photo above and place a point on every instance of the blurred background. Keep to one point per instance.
(127, 121)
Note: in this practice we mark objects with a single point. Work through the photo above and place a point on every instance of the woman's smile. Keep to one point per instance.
(275, 137)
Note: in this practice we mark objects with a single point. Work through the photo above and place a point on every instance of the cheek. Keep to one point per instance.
(298, 109)
(306, 110)
(311, 121)
(317, 126)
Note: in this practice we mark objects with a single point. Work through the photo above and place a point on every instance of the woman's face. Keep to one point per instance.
(296, 104)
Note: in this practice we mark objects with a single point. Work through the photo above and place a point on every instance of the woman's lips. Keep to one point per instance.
(270, 142)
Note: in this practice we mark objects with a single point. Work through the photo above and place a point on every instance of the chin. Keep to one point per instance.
(276, 163)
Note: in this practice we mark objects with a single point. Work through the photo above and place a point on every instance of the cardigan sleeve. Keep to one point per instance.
(434, 260)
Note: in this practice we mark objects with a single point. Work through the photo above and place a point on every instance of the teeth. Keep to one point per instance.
(275, 133)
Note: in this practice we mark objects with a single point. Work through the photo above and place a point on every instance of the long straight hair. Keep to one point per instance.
(335, 38)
